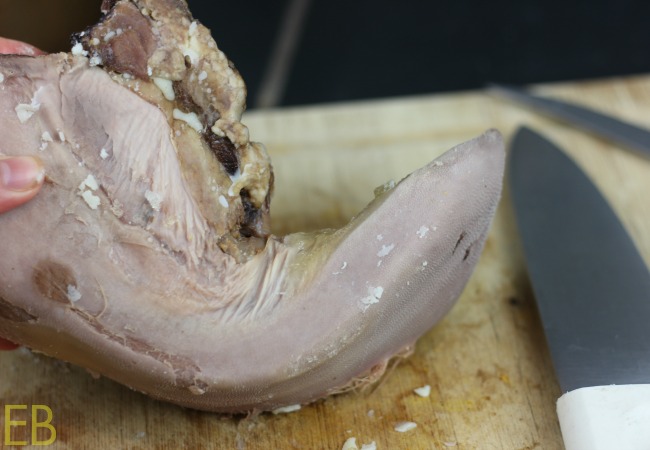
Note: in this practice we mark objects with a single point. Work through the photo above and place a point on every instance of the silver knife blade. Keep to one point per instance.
(631, 136)
(591, 284)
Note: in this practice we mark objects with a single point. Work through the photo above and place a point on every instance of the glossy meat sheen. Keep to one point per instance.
(138, 274)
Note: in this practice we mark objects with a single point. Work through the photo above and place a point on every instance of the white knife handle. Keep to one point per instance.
(606, 417)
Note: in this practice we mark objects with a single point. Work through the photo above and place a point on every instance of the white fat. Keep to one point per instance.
(223, 201)
(403, 427)
(103, 153)
(78, 50)
(385, 250)
(166, 87)
(154, 199)
(90, 182)
(286, 409)
(422, 232)
(91, 200)
(423, 391)
(371, 446)
(350, 444)
(73, 293)
(25, 111)
(218, 131)
(190, 118)
(203, 75)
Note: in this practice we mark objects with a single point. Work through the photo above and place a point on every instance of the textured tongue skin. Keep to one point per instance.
(157, 286)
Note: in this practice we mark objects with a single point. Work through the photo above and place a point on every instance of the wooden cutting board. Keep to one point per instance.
(492, 385)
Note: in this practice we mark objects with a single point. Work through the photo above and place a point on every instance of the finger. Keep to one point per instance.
(11, 47)
(21, 177)
(7, 345)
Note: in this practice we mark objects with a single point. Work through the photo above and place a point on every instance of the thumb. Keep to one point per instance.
(20, 179)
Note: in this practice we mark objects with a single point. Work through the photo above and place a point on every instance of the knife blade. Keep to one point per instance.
(630, 136)
(592, 289)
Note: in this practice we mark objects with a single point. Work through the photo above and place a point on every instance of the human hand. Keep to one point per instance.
(21, 176)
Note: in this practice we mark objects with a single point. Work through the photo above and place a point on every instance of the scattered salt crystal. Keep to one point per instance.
(371, 446)
(223, 201)
(438, 163)
(345, 264)
(422, 231)
(46, 137)
(423, 391)
(78, 50)
(449, 444)
(380, 237)
(193, 27)
(110, 35)
(286, 409)
(94, 41)
(350, 444)
(61, 136)
(103, 153)
(149, 71)
(403, 427)
(203, 75)
(73, 293)
(425, 263)
(91, 200)
(154, 199)
(371, 413)
(2, 78)
(385, 250)
(95, 61)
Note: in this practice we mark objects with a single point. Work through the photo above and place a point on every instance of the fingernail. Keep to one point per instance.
(21, 173)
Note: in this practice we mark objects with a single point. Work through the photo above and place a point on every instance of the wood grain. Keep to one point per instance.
(492, 385)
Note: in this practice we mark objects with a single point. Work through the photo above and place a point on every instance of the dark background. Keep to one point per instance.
(359, 49)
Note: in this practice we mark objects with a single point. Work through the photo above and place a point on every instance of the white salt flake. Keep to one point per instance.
(438, 163)
(286, 409)
(350, 444)
(371, 413)
(371, 446)
(149, 71)
(345, 264)
(374, 294)
(94, 41)
(46, 137)
(90, 182)
(110, 35)
(189, 118)
(73, 293)
(203, 75)
(380, 237)
(422, 232)
(425, 263)
(91, 199)
(25, 111)
(2, 78)
(193, 27)
(61, 136)
(154, 199)
(423, 391)
(103, 153)
(450, 444)
(403, 427)
(223, 201)
(385, 250)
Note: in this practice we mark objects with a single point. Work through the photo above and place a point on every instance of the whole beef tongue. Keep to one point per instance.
(147, 258)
